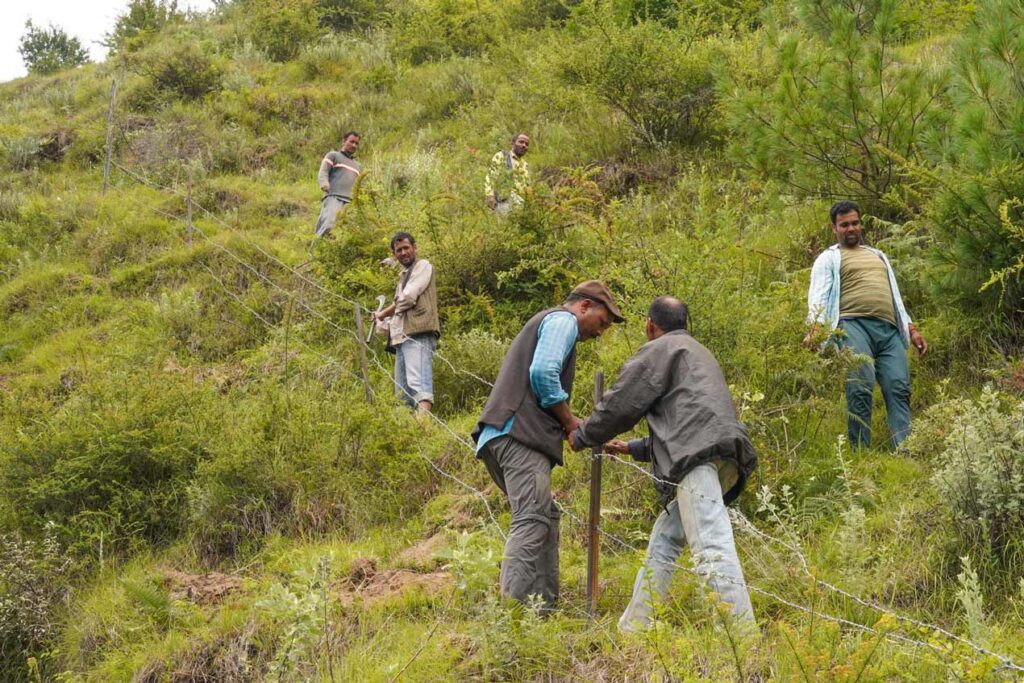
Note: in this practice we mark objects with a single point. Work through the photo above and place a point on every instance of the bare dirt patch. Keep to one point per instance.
(200, 588)
(370, 585)
(422, 555)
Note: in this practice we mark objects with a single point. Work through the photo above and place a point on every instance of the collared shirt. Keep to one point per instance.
(823, 294)
(555, 340)
(411, 283)
(504, 183)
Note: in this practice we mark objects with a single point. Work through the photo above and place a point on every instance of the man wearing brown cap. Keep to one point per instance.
(519, 436)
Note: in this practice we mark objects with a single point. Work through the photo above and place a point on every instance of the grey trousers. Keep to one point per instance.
(696, 518)
(329, 207)
(530, 564)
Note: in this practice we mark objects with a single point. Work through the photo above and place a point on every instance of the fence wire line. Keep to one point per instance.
(283, 264)
(1005, 661)
(341, 329)
(805, 567)
(326, 358)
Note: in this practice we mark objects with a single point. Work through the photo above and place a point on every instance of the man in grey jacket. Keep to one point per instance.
(338, 174)
(700, 454)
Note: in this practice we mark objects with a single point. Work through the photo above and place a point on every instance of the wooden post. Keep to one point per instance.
(362, 355)
(110, 135)
(593, 539)
(188, 207)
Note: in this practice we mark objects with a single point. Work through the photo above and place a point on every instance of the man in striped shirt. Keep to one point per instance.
(339, 172)
(520, 433)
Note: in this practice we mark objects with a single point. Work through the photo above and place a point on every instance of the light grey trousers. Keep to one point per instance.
(329, 207)
(698, 518)
(530, 564)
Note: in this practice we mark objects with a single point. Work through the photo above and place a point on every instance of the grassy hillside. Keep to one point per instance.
(193, 486)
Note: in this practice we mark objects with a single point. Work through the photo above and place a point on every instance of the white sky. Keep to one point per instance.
(87, 20)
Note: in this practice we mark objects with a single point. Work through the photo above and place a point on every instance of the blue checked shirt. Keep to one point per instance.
(555, 340)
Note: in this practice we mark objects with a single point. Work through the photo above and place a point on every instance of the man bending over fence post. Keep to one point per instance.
(698, 450)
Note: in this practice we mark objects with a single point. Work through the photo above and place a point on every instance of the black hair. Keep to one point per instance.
(402, 236)
(669, 313)
(841, 207)
(348, 134)
(517, 135)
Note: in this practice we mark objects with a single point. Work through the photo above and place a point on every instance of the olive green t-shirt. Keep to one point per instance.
(864, 290)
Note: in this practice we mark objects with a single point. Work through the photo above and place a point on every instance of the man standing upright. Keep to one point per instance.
(853, 289)
(413, 325)
(699, 453)
(338, 174)
(519, 436)
(508, 176)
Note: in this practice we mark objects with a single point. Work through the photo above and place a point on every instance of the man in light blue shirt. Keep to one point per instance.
(520, 433)
(853, 290)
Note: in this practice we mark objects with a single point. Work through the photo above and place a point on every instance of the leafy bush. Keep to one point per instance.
(46, 50)
(979, 468)
(21, 153)
(842, 96)
(33, 585)
(349, 15)
(659, 80)
(143, 19)
(185, 72)
(282, 27)
(110, 467)
(307, 462)
(976, 211)
(474, 352)
(436, 30)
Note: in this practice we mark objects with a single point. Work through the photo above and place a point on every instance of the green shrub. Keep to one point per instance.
(434, 30)
(469, 353)
(142, 19)
(109, 468)
(352, 15)
(21, 153)
(34, 583)
(46, 50)
(306, 462)
(185, 72)
(977, 184)
(656, 78)
(978, 450)
(282, 27)
(842, 96)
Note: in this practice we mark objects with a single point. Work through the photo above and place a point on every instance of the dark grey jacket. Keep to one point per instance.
(512, 394)
(677, 384)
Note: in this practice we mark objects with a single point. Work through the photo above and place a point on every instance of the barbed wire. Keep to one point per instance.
(293, 270)
(805, 567)
(1005, 661)
(344, 330)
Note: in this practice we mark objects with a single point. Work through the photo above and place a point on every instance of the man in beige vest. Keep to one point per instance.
(412, 324)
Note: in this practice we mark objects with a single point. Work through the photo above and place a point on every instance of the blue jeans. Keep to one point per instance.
(414, 369)
(698, 518)
(881, 341)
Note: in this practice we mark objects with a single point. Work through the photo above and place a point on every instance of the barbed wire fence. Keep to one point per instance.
(738, 518)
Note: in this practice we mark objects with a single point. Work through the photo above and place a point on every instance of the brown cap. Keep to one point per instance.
(595, 290)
